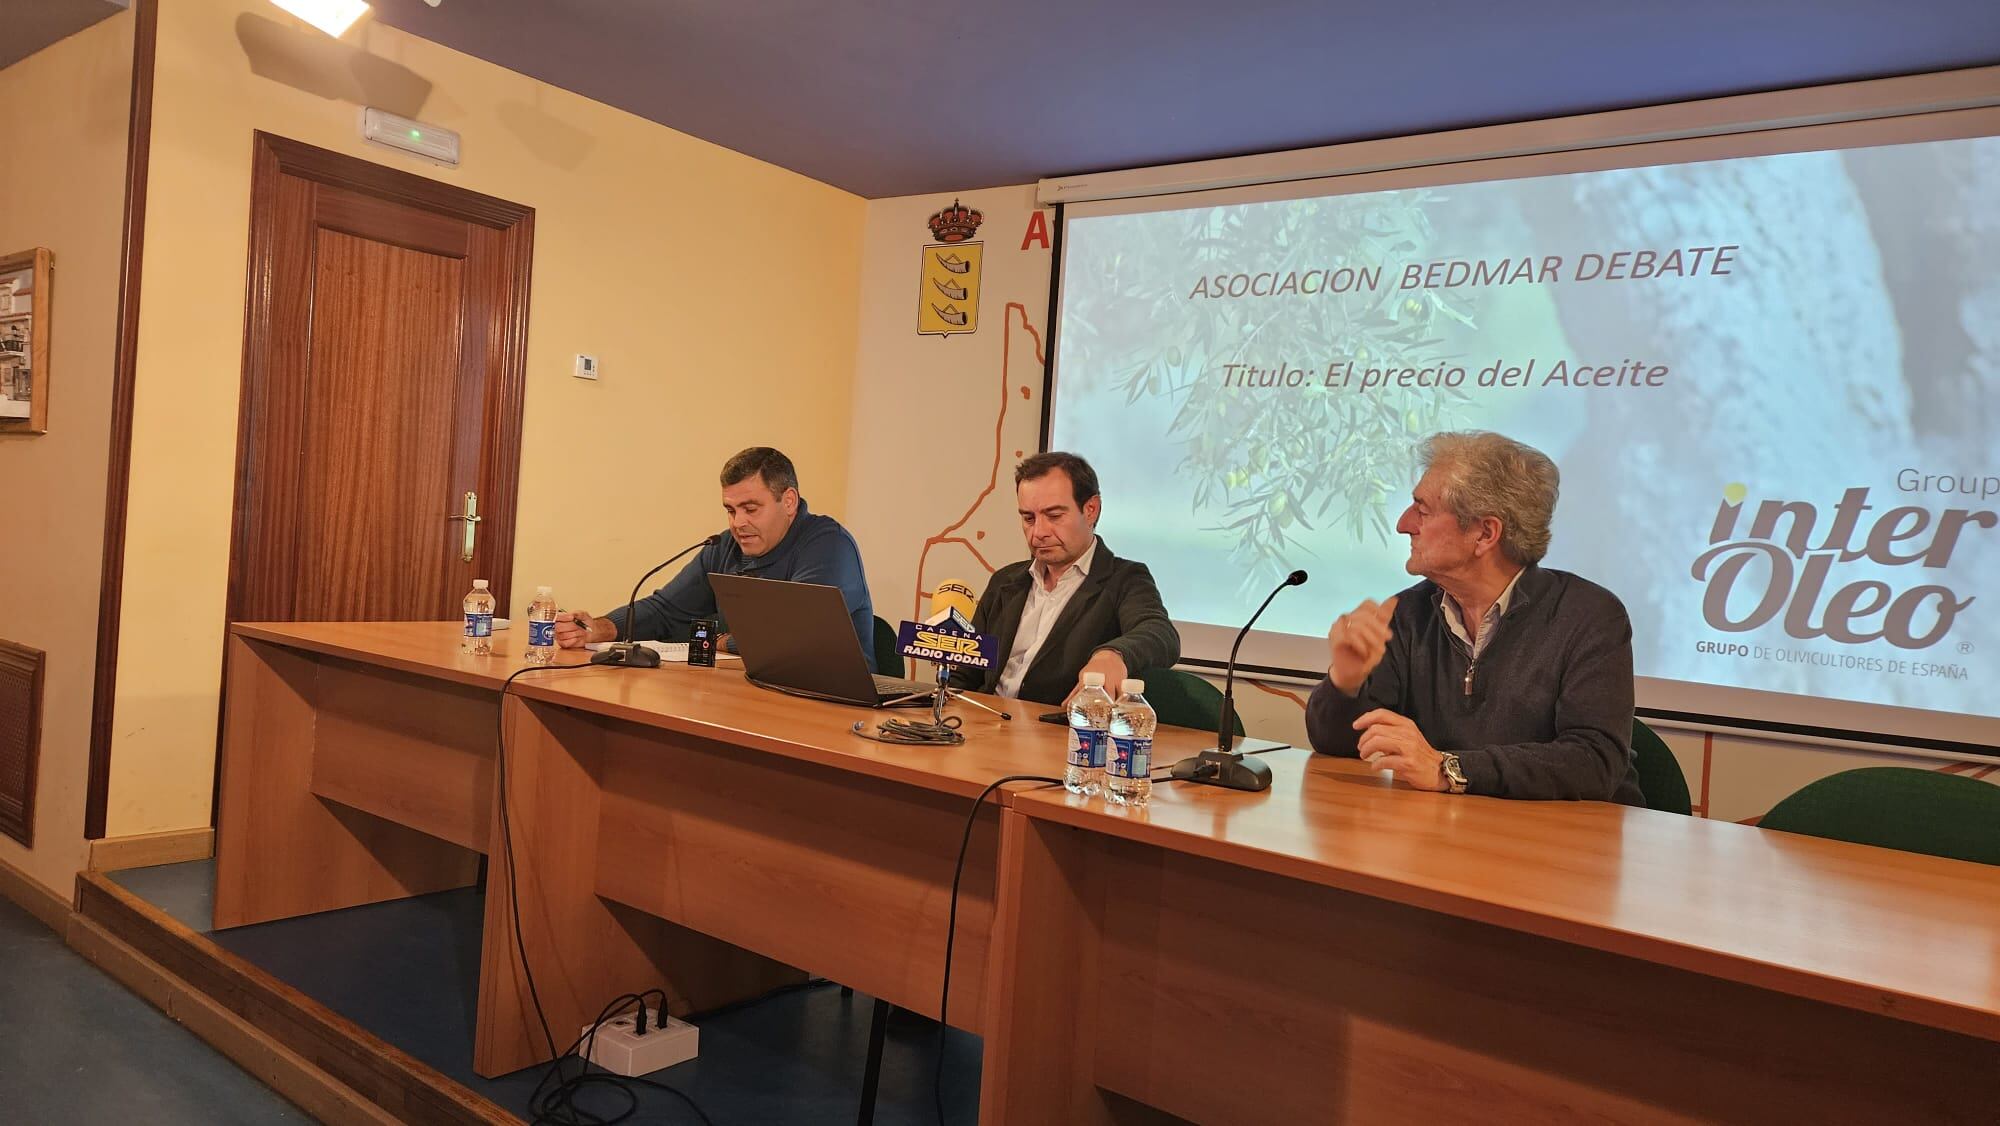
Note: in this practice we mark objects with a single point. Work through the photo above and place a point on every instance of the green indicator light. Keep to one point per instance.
(416, 135)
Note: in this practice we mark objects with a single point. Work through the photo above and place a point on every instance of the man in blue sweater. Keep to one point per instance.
(772, 535)
(1493, 675)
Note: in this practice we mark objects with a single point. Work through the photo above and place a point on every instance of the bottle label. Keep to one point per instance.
(1086, 747)
(1131, 758)
(541, 633)
(479, 625)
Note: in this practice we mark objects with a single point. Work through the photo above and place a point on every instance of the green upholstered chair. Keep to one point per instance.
(1660, 778)
(888, 661)
(1898, 807)
(1183, 699)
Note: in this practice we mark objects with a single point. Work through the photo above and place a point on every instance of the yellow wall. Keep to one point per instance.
(718, 292)
(65, 111)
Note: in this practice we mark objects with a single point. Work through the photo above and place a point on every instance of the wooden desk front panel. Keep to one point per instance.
(416, 752)
(1874, 929)
(840, 873)
(281, 849)
(1231, 996)
(585, 950)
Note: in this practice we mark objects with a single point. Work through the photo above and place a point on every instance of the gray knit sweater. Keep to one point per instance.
(1549, 714)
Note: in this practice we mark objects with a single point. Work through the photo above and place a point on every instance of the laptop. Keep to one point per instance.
(798, 638)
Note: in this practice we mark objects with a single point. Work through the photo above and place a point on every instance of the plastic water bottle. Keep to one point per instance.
(479, 619)
(542, 627)
(1128, 775)
(1089, 728)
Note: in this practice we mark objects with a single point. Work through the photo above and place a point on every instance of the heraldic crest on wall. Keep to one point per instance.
(948, 289)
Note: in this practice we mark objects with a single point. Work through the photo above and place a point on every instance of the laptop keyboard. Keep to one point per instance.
(889, 687)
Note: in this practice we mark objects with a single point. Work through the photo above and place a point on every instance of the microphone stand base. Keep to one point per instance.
(938, 699)
(1227, 769)
(946, 694)
(631, 657)
(954, 696)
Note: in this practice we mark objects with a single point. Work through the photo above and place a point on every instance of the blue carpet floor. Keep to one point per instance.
(76, 1047)
(407, 971)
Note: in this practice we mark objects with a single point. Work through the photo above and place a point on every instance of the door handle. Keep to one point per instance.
(471, 518)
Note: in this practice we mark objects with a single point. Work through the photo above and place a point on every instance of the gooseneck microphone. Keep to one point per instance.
(1226, 766)
(629, 653)
(1225, 735)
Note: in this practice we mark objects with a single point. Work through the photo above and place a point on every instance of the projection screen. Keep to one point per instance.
(1766, 365)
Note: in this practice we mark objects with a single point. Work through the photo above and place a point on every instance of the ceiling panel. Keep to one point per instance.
(893, 97)
(27, 26)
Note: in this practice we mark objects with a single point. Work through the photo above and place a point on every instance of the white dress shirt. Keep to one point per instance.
(1454, 619)
(1039, 616)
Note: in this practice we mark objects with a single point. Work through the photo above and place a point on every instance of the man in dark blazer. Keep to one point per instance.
(1072, 607)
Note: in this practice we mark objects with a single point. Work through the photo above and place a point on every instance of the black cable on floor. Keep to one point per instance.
(548, 1101)
(951, 929)
(558, 1107)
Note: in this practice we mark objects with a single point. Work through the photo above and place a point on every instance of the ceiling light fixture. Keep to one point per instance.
(331, 16)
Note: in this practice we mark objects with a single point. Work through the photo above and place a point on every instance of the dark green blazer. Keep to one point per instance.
(1116, 608)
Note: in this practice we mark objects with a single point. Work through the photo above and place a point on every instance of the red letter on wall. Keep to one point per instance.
(1038, 230)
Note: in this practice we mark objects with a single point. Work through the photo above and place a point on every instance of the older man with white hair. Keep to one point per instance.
(1494, 675)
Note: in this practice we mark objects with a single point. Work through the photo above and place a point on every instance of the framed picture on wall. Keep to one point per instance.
(24, 341)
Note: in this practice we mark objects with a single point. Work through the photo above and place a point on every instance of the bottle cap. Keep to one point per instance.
(544, 590)
(1132, 687)
(1093, 680)
(479, 584)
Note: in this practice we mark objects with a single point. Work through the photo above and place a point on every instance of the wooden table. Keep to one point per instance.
(1342, 949)
(1336, 949)
(674, 827)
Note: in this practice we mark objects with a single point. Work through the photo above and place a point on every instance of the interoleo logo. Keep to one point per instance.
(1790, 562)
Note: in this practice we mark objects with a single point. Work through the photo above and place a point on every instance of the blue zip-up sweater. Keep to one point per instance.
(816, 549)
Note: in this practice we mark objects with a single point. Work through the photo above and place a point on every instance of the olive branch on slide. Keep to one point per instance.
(1267, 463)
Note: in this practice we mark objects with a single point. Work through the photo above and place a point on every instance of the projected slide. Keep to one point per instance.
(1772, 385)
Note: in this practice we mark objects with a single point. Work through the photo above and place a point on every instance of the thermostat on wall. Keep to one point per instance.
(432, 142)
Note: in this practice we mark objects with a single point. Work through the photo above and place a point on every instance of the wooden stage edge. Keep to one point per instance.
(30, 895)
(329, 1066)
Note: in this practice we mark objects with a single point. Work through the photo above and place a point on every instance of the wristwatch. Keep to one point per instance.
(1454, 775)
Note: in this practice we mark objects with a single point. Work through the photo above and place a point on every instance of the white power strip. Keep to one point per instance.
(620, 1050)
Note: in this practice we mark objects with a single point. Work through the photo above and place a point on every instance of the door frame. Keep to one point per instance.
(124, 376)
(276, 156)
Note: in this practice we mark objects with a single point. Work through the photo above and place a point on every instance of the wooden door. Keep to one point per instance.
(382, 372)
